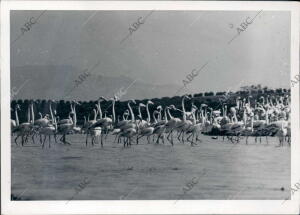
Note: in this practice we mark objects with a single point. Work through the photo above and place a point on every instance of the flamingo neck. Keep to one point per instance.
(75, 117)
(17, 117)
(139, 110)
(95, 115)
(153, 115)
(113, 111)
(159, 115)
(237, 103)
(223, 109)
(32, 113)
(171, 117)
(183, 110)
(235, 117)
(251, 123)
(28, 114)
(201, 113)
(148, 113)
(99, 109)
(267, 116)
(51, 113)
(245, 117)
(194, 117)
(165, 114)
(131, 112)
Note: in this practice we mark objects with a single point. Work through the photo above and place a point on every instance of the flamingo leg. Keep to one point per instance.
(16, 139)
(55, 138)
(197, 137)
(157, 141)
(61, 139)
(182, 139)
(171, 141)
(66, 141)
(106, 134)
(101, 140)
(192, 142)
(44, 141)
(93, 139)
(188, 138)
(86, 140)
(115, 138)
(124, 142)
(22, 140)
(178, 137)
(32, 137)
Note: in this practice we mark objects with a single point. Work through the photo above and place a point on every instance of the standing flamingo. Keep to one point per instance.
(66, 126)
(147, 130)
(129, 128)
(25, 129)
(94, 131)
(49, 129)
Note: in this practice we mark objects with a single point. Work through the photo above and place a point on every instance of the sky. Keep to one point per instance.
(164, 49)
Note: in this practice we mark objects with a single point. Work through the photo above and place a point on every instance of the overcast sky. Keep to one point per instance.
(166, 48)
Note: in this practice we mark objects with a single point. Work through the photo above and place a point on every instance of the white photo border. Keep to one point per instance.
(145, 206)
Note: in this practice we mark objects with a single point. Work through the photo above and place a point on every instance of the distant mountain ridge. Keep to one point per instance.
(61, 82)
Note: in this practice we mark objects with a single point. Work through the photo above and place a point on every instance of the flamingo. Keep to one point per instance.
(117, 131)
(103, 123)
(281, 133)
(25, 128)
(129, 128)
(15, 123)
(160, 126)
(94, 131)
(185, 124)
(141, 122)
(172, 124)
(146, 131)
(42, 121)
(196, 128)
(49, 129)
(66, 126)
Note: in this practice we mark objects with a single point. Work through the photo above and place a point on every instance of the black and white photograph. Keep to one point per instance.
(116, 105)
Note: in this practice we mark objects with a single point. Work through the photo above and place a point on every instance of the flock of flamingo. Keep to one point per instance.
(266, 116)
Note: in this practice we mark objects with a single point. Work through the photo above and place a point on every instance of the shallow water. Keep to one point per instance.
(216, 170)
